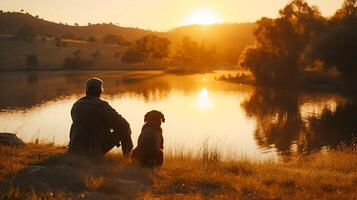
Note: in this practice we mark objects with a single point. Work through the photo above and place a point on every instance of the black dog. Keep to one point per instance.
(149, 153)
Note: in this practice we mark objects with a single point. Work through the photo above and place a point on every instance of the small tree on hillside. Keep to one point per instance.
(92, 39)
(191, 53)
(59, 42)
(96, 54)
(132, 56)
(147, 47)
(76, 61)
(26, 33)
(115, 39)
(32, 61)
(153, 46)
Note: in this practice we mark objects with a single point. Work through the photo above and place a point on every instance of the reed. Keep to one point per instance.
(184, 175)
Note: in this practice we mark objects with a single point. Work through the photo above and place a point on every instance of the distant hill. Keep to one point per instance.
(225, 34)
(11, 22)
(228, 40)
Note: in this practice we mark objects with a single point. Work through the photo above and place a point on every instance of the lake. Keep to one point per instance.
(239, 120)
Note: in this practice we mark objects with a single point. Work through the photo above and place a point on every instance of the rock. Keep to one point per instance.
(34, 169)
(10, 139)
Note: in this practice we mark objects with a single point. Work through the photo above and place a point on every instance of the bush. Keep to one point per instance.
(115, 39)
(96, 54)
(133, 56)
(32, 61)
(92, 39)
(76, 62)
(147, 47)
(59, 42)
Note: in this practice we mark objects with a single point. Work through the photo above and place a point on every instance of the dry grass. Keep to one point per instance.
(325, 175)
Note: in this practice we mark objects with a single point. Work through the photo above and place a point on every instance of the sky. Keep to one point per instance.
(158, 15)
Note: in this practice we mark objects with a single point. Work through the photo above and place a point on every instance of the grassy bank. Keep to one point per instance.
(44, 172)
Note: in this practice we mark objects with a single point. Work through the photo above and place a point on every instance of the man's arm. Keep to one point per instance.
(125, 136)
(121, 127)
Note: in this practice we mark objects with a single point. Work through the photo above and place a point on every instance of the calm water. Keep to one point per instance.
(239, 120)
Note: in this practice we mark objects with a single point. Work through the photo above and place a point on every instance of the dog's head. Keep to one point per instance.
(155, 117)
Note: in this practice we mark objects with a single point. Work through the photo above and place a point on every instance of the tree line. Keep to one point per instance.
(188, 54)
(299, 38)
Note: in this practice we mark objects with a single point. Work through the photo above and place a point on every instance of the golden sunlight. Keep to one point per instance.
(203, 16)
(203, 100)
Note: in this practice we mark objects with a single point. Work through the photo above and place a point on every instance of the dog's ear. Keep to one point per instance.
(162, 118)
(146, 117)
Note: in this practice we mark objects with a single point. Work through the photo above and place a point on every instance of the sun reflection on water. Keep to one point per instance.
(203, 100)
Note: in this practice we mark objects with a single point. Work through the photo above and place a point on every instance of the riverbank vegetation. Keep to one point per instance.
(42, 171)
(301, 47)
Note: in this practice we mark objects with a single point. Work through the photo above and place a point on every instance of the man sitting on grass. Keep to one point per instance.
(96, 126)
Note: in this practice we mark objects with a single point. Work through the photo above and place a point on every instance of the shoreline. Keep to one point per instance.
(333, 86)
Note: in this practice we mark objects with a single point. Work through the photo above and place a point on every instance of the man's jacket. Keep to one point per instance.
(93, 119)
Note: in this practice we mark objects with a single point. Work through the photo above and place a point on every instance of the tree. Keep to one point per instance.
(193, 54)
(76, 61)
(153, 46)
(96, 54)
(32, 61)
(347, 12)
(147, 47)
(133, 56)
(115, 39)
(77, 53)
(280, 44)
(337, 44)
(189, 51)
(92, 39)
(59, 42)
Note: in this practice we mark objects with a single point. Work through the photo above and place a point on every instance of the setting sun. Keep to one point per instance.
(203, 16)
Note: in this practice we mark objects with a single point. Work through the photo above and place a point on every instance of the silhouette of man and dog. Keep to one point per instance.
(97, 128)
